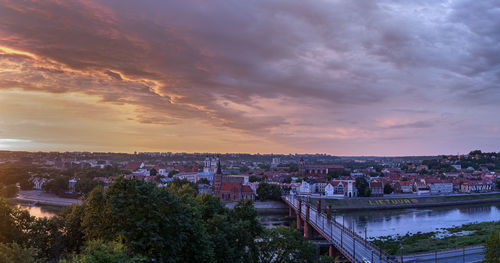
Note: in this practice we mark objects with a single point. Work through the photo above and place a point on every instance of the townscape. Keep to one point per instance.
(321, 175)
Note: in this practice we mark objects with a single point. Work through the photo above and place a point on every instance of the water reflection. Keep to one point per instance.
(41, 211)
(401, 221)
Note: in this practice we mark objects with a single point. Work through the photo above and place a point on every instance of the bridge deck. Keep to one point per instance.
(353, 246)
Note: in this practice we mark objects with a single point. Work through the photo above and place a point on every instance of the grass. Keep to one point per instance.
(422, 242)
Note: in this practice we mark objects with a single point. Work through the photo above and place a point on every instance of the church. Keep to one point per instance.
(230, 189)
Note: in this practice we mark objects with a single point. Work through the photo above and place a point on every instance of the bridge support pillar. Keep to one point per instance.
(307, 227)
(298, 212)
(298, 222)
(318, 205)
(331, 251)
(328, 212)
(291, 212)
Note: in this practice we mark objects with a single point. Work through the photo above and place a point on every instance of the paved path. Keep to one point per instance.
(44, 198)
(467, 254)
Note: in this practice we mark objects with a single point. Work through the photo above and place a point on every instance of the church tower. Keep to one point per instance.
(217, 179)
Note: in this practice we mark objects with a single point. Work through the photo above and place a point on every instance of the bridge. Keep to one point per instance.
(352, 246)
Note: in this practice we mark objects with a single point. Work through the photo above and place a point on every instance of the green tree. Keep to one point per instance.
(98, 251)
(13, 253)
(244, 169)
(153, 172)
(151, 221)
(284, 245)
(267, 191)
(388, 189)
(85, 185)
(58, 185)
(9, 191)
(492, 248)
(203, 181)
(363, 187)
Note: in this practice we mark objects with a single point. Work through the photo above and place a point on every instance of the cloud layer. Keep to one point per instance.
(342, 77)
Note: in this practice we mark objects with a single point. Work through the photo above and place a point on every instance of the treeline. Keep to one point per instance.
(135, 221)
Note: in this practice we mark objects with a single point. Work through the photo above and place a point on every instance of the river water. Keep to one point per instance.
(41, 211)
(401, 221)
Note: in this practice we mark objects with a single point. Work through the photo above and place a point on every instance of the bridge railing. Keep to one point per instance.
(328, 227)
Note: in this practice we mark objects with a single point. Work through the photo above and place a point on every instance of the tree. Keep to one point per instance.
(388, 189)
(267, 191)
(58, 185)
(244, 169)
(98, 251)
(13, 253)
(253, 179)
(203, 181)
(492, 248)
(172, 173)
(85, 185)
(153, 172)
(284, 245)
(150, 220)
(9, 191)
(363, 187)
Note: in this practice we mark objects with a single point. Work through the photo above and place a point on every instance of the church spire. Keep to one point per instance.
(219, 169)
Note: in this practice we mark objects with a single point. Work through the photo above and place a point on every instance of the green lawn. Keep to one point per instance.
(421, 242)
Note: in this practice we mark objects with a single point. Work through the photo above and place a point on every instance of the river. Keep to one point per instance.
(41, 211)
(401, 221)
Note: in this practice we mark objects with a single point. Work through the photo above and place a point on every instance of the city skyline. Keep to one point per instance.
(352, 78)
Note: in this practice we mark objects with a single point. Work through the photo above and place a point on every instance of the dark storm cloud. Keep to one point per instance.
(189, 59)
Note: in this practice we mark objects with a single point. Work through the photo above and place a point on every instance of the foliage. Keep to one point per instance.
(58, 185)
(267, 191)
(153, 172)
(172, 173)
(363, 187)
(98, 251)
(85, 185)
(492, 248)
(244, 169)
(13, 253)
(203, 181)
(388, 189)
(253, 178)
(284, 245)
(9, 191)
(333, 174)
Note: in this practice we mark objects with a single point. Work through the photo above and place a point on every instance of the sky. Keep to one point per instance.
(276, 76)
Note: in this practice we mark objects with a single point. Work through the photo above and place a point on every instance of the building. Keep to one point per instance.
(230, 189)
(344, 188)
(210, 165)
(377, 188)
(476, 186)
(318, 169)
(38, 182)
(439, 186)
(134, 166)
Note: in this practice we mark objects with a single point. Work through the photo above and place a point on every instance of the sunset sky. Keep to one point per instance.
(291, 76)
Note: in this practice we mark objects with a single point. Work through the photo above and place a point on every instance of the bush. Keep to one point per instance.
(13, 253)
(9, 191)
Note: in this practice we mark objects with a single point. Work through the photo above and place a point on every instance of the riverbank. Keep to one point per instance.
(446, 238)
(266, 207)
(42, 198)
(412, 201)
